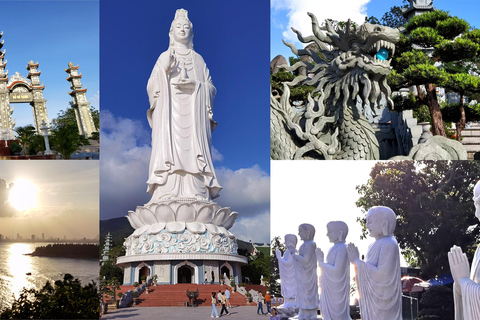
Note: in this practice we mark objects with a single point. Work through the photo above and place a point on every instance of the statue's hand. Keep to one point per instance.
(353, 253)
(291, 248)
(185, 84)
(459, 265)
(320, 255)
(171, 62)
(278, 253)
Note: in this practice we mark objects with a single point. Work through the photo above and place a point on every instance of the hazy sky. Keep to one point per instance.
(233, 39)
(52, 33)
(67, 198)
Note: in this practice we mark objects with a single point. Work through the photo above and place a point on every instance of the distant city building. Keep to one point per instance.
(33, 237)
(43, 236)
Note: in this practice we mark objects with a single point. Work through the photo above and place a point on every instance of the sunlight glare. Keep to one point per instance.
(23, 195)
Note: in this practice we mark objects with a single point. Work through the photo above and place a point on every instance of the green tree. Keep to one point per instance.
(258, 266)
(437, 303)
(434, 207)
(67, 299)
(109, 270)
(276, 244)
(66, 140)
(449, 40)
(25, 135)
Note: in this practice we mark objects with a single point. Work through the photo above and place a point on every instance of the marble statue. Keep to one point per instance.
(467, 282)
(287, 272)
(335, 275)
(378, 278)
(181, 216)
(347, 65)
(181, 94)
(305, 262)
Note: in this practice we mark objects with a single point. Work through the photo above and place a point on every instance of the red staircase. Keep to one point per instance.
(176, 295)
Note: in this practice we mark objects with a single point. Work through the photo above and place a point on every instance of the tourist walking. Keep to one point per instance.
(224, 307)
(214, 306)
(260, 303)
(268, 301)
(227, 295)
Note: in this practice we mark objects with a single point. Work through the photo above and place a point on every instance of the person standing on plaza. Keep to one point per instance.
(268, 302)
(227, 296)
(214, 306)
(224, 308)
(261, 300)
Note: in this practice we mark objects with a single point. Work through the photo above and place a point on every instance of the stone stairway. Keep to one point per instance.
(471, 139)
(175, 295)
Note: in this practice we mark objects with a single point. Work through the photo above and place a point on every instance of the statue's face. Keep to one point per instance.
(333, 233)
(181, 30)
(303, 233)
(374, 224)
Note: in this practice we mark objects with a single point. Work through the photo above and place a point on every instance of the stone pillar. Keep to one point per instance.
(39, 104)
(80, 103)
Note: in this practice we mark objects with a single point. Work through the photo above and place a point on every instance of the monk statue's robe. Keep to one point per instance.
(467, 293)
(287, 277)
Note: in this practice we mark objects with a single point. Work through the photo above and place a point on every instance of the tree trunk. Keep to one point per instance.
(435, 113)
(462, 122)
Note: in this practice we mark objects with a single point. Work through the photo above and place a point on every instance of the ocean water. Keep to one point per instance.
(18, 271)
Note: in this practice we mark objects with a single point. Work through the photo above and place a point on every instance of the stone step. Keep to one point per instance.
(471, 132)
(470, 140)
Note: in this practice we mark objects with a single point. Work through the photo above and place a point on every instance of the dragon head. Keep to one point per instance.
(350, 61)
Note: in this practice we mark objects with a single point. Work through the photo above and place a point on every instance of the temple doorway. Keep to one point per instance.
(225, 271)
(144, 271)
(185, 274)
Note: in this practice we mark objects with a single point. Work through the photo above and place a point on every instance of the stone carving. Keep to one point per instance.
(182, 178)
(184, 242)
(335, 275)
(305, 263)
(352, 64)
(466, 287)
(287, 272)
(436, 148)
(378, 278)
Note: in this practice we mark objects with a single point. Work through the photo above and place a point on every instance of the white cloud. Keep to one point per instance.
(340, 10)
(216, 155)
(255, 228)
(95, 100)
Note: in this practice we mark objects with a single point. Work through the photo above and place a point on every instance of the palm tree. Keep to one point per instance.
(25, 135)
(67, 140)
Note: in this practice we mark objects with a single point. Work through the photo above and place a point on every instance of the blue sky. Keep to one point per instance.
(52, 33)
(287, 13)
(233, 39)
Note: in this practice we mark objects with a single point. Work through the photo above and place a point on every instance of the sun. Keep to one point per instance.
(23, 195)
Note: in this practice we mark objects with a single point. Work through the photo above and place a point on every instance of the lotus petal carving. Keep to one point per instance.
(176, 215)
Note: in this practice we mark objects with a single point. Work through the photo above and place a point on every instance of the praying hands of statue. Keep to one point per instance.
(353, 254)
(320, 255)
(292, 249)
(459, 266)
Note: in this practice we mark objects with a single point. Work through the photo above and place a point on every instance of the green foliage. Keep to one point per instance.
(433, 203)
(428, 20)
(109, 288)
(463, 83)
(36, 144)
(258, 266)
(425, 37)
(15, 148)
(459, 49)
(67, 140)
(25, 135)
(437, 303)
(414, 57)
(419, 74)
(452, 27)
(394, 18)
(276, 244)
(67, 299)
(298, 93)
(110, 271)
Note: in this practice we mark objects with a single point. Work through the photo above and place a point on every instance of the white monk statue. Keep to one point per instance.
(378, 278)
(467, 283)
(287, 272)
(305, 262)
(181, 94)
(335, 275)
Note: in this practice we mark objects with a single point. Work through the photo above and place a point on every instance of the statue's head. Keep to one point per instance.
(290, 239)
(337, 231)
(306, 231)
(181, 29)
(381, 222)
(476, 199)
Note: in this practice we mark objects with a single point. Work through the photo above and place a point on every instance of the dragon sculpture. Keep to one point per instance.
(349, 74)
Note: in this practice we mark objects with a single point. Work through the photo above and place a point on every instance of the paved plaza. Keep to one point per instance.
(182, 313)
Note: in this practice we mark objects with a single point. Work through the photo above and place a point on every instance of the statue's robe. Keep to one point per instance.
(287, 277)
(467, 293)
(379, 281)
(306, 276)
(335, 284)
(181, 122)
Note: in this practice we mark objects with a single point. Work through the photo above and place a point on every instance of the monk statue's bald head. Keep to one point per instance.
(381, 222)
